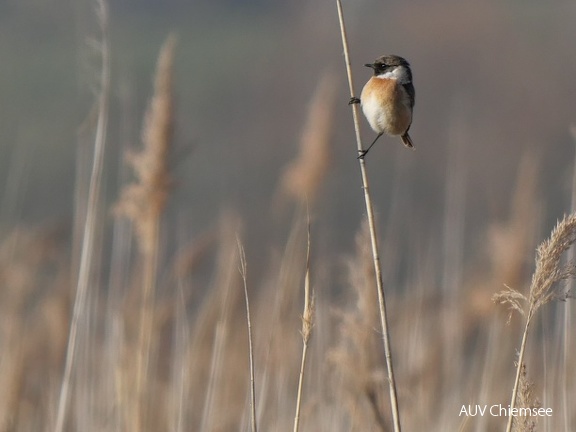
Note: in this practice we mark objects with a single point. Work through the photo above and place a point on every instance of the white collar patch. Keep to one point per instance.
(399, 73)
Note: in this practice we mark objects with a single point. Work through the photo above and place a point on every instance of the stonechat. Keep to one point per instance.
(387, 99)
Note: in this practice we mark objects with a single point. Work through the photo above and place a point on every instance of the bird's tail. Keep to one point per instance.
(407, 140)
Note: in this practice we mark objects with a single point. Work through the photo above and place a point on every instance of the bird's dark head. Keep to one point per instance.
(392, 65)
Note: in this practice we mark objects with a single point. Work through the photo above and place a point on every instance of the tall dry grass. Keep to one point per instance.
(199, 351)
(89, 232)
(163, 341)
(144, 202)
(544, 288)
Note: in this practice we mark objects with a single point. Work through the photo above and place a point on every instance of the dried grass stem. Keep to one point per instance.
(373, 235)
(307, 325)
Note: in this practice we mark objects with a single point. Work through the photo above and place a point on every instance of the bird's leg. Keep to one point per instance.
(364, 152)
(354, 100)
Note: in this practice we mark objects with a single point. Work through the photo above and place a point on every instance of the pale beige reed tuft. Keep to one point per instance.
(302, 178)
(144, 200)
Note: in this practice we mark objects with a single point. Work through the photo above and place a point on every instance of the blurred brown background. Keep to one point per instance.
(494, 81)
(459, 217)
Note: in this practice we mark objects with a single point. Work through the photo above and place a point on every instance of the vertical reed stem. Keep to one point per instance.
(519, 368)
(373, 236)
(146, 321)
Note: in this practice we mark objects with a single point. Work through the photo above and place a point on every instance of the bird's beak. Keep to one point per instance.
(370, 65)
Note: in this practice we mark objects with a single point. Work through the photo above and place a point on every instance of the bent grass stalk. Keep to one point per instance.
(373, 237)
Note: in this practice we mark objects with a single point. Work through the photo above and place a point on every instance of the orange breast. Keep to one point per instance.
(386, 105)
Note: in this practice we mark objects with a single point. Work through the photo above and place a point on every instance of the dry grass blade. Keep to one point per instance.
(244, 274)
(308, 316)
(86, 255)
(512, 298)
(307, 324)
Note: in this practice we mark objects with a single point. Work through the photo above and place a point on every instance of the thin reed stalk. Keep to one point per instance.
(244, 274)
(86, 254)
(519, 367)
(146, 324)
(307, 324)
(373, 237)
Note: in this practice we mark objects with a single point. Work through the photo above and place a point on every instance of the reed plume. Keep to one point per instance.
(303, 176)
(144, 200)
(143, 203)
(544, 287)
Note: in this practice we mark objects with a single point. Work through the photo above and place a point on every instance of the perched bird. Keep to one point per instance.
(387, 99)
